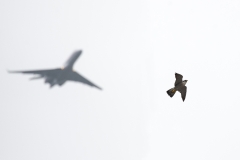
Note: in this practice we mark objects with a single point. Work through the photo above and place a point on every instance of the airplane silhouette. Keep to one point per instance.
(59, 76)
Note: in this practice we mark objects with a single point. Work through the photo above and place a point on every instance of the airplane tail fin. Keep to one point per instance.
(171, 92)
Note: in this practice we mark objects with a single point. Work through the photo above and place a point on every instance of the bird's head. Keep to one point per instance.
(185, 81)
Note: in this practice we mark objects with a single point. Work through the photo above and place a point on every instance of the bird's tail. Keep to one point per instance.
(171, 92)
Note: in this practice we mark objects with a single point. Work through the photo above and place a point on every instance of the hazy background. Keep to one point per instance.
(131, 49)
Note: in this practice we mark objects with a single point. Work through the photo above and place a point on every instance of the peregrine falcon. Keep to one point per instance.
(179, 86)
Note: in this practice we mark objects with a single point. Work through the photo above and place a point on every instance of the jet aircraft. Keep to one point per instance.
(59, 76)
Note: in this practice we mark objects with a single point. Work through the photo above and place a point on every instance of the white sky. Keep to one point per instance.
(131, 49)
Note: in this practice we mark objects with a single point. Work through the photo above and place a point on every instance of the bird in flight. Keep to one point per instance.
(59, 76)
(180, 86)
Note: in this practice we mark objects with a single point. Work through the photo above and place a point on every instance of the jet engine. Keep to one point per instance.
(48, 80)
(60, 83)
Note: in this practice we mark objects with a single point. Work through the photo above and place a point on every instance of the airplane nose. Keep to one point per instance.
(78, 53)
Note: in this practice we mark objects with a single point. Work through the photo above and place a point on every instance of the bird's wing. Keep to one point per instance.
(48, 72)
(183, 92)
(178, 78)
(74, 76)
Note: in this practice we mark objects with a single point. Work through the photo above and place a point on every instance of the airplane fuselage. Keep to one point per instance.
(72, 59)
(63, 73)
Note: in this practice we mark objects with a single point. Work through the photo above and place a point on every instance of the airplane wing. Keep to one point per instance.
(74, 76)
(49, 72)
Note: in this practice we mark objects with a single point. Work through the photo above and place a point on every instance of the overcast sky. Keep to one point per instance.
(131, 49)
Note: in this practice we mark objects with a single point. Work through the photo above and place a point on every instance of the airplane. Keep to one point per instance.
(59, 76)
